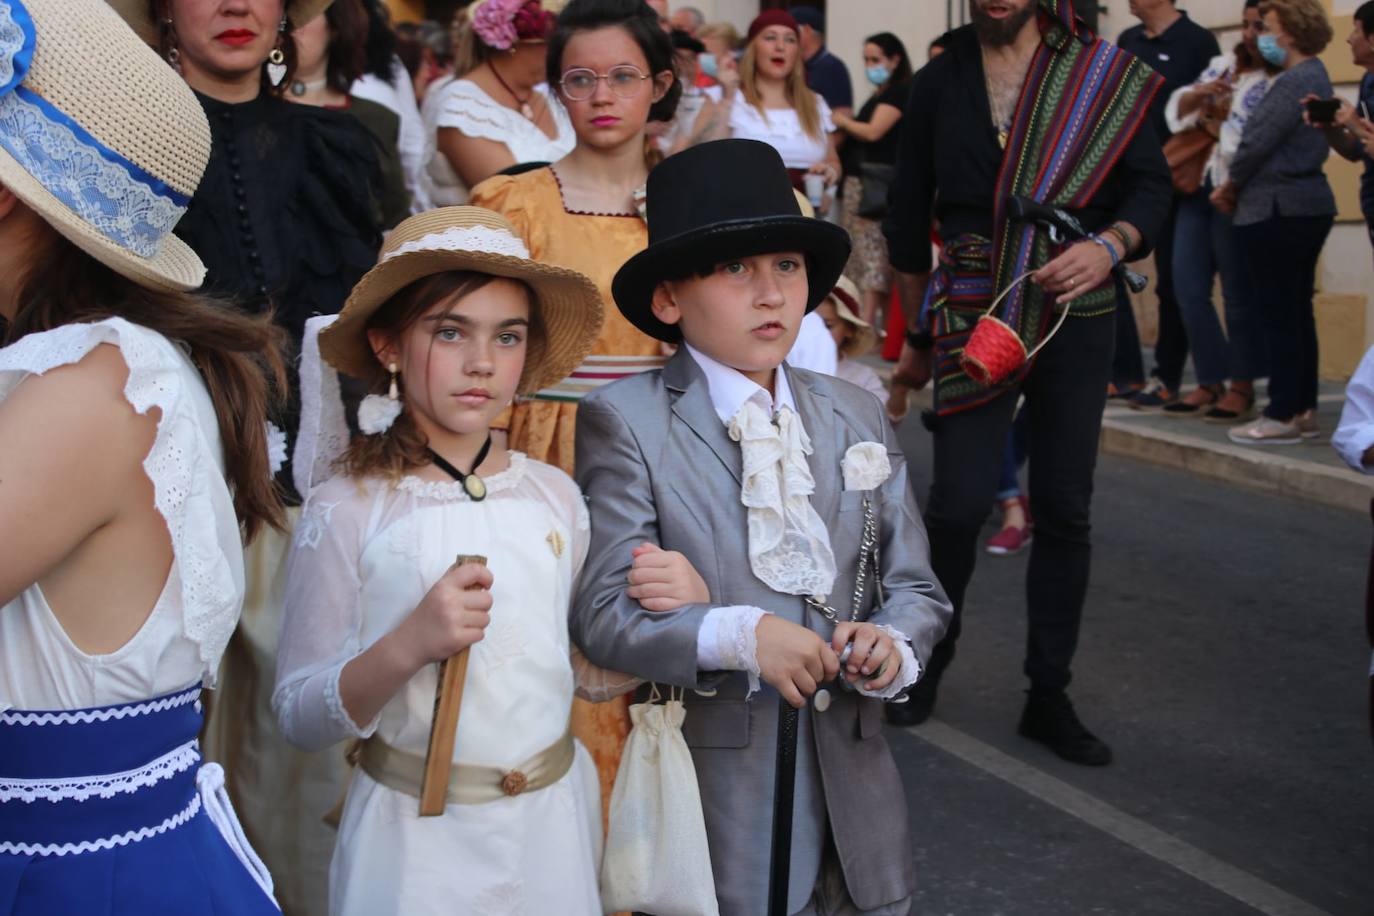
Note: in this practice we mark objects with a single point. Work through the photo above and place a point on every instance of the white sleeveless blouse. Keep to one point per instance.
(184, 636)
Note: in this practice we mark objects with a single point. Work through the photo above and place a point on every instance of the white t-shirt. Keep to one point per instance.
(781, 129)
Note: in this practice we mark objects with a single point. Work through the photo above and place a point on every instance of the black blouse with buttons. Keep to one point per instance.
(287, 215)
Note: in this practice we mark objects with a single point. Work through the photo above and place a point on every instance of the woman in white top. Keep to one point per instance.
(496, 113)
(774, 105)
(125, 403)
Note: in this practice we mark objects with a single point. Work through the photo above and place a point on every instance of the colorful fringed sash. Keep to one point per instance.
(1081, 105)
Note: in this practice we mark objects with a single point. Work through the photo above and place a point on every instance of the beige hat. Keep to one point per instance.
(100, 137)
(845, 298)
(139, 14)
(470, 238)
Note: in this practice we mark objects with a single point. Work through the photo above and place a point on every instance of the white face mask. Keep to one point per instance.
(706, 63)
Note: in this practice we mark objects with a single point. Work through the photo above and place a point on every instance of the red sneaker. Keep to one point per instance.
(1009, 541)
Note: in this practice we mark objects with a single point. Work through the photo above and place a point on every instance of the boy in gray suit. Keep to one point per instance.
(787, 493)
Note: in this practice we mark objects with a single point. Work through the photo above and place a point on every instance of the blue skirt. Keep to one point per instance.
(109, 811)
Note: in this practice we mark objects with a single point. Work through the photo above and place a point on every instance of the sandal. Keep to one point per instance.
(1235, 407)
(1194, 401)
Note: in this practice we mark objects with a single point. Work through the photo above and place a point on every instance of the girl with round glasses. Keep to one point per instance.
(583, 212)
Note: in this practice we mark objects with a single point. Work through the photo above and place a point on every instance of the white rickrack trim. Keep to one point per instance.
(109, 842)
(87, 716)
(81, 788)
(480, 239)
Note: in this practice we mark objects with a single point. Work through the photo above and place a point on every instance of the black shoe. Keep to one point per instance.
(919, 704)
(1050, 719)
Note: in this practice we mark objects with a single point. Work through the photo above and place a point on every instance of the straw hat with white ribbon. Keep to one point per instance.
(845, 297)
(100, 137)
(470, 239)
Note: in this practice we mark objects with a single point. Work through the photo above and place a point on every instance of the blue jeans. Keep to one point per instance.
(1204, 244)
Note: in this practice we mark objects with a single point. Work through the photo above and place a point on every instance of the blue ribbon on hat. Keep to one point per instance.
(114, 196)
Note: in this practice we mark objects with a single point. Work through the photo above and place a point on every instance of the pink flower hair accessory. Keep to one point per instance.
(502, 23)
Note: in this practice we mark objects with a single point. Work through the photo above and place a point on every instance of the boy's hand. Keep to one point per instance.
(793, 659)
(452, 616)
(664, 580)
(874, 659)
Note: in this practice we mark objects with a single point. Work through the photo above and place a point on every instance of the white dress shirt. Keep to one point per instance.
(1355, 434)
(726, 640)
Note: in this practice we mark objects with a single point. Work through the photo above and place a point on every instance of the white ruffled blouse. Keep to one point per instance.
(185, 634)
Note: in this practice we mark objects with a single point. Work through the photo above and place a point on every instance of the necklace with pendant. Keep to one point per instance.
(525, 108)
(301, 87)
(472, 484)
(1001, 121)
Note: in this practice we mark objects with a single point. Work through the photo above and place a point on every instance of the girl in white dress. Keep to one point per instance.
(125, 403)
(453, 322)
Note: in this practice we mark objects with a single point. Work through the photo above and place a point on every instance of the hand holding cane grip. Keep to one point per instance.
(448, 702)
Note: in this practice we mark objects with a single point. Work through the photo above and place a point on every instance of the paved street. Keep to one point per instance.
(1224, 658)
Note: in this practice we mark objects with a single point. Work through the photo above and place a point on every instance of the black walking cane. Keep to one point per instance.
(784, 792)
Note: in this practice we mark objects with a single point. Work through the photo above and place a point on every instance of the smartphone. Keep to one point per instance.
(1322, 111)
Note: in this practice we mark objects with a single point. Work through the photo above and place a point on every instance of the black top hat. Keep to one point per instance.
(715, 202)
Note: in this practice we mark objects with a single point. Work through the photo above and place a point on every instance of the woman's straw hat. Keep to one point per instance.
(474, 239)
(139, 14)
(845, 298)
(100, 137)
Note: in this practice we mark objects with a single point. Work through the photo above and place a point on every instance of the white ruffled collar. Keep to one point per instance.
(452, 490)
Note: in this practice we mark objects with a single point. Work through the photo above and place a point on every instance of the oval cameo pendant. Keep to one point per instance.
(475, 488)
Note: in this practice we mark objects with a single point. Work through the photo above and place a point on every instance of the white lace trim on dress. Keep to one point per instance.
(449, 491)
(182, 465)
(323, 433)
(87, 716)
(110, 842)
(81, 788)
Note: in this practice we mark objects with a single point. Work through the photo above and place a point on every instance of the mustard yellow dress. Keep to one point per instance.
(595, 244)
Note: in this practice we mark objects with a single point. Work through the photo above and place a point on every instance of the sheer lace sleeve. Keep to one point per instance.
(592, 683)
(320, 633)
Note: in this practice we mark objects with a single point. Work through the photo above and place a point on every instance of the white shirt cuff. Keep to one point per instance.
(728, 641)
(909, 674)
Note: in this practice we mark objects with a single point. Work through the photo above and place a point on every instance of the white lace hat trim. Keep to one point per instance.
(481, 239)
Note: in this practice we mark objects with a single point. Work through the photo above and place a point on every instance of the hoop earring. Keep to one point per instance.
(376, 414)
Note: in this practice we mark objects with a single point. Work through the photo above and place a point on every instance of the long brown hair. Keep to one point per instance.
(799, 97)
(404, 446)
(239, 356)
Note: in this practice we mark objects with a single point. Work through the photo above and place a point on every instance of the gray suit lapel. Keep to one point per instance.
(692, 405)
(817, 411)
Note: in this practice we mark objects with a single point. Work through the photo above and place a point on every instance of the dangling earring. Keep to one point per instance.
(172, 55)
(276, 61)
(376, 414)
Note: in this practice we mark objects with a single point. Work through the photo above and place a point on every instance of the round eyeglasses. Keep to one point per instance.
(580, 84)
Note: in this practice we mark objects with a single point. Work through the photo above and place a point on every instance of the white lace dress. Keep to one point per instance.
(181, 642)
(464, 105)
(365, 554)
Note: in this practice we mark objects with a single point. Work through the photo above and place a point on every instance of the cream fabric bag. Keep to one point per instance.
(657, 859)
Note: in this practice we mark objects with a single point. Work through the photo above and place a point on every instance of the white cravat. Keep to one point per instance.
(789, 546)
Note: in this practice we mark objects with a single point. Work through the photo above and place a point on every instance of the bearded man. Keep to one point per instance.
(1025, 102)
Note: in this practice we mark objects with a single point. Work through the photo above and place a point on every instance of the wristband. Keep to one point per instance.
(1107, 245)
(920, 340)
(1119, 232)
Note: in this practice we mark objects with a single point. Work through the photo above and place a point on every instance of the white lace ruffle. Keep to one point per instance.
(323, 433)
(334, 703)
(471, 238)
(110, 842)
(475, 114)
(11, 43)
(81, 788)
(104, 194)
(87, 716)
(737, 643)
(451, 490)
(190, 492)
(789, 546)
(911, 669)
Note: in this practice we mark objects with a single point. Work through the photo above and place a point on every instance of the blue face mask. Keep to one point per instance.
(706, 63)
(878, 75)
(1271, 51)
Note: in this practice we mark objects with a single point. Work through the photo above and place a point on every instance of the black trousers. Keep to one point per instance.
(1065, 394)
(1281, 253)
(1171, 348)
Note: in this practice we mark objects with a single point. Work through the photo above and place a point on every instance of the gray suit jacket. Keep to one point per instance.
(657, 464)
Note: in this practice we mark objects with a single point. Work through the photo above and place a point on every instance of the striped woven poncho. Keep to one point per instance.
(1083, 101)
